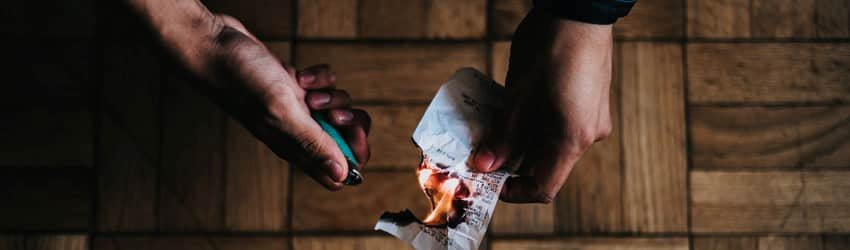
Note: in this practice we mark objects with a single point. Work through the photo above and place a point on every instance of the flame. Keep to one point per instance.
(443, 191)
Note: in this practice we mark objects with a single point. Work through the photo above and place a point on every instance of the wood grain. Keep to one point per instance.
(658, 18)
(45, 198)
(52, 18)
(832, 18)
(725, 243)
(191, 191)
(500, 58)
(394, 72)
(718, 18)
(44, 242)
(783, 18)
(129, 138)
(191, 243)
(654, 149)
(770, 136)
(523, 219)
(267, 19)
(506, 16)
(770, 201)
(327, 18)
(590, 243)
(836, 242)
(456, 19)
(354, 208)
(47, 103)
(281, 51)
(390, 136)
(257, 183)
(768, 72)
(790, 242)
(386, 242)
(422, 19)
(592, 198)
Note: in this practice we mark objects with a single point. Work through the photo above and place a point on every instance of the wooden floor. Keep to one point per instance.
(732, 129)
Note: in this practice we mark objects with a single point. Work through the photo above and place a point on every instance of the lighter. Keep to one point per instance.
(353, 177)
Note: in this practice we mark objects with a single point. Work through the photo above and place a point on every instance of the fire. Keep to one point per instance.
(445, 193)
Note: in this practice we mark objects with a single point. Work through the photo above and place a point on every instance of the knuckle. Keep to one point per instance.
(545, 197)
(605, 131)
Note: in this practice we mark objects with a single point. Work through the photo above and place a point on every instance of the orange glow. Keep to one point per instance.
(443, 190)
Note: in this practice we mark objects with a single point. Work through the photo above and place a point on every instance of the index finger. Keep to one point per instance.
(550, 169)
(317, 77)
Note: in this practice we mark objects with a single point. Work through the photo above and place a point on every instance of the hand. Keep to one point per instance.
(557, 104)
(266, 98)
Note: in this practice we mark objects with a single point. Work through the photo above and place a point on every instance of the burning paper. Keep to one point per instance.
(462, 201)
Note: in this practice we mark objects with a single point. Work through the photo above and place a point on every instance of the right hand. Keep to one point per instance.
(274, 103)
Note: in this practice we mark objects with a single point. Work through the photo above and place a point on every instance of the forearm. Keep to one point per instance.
(185, 27)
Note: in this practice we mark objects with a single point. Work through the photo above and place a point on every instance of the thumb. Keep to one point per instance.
(322, 158)
(496, 146)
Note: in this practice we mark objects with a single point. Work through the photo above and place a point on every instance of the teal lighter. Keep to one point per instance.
(353, 177)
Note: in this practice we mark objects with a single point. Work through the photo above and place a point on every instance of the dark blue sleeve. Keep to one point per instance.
(588, 11)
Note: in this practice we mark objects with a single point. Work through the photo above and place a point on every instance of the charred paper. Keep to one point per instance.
(462, 200)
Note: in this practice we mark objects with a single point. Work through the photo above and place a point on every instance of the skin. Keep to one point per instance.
(558, 89)
(270, 99)
(557, 103)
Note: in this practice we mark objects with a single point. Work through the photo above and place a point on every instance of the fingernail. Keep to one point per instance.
(307, 77)
(332, 78)
(321, 98)
(336, 171)
(484, 159)
(345, 115)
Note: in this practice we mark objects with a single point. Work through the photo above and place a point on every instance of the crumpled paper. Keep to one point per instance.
(449, 131)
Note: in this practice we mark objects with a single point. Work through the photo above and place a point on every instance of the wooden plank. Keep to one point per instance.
(770, 136)
(654, 155)
(592, 198)
(350, 243)
(281, 50)
(267, 19)
(393, 72)
(52, 18)
(790, 242)
(500, 57)
(44, 242)
(456, 19)
(327, 18)
(390, 139)
(191, 192)
(257, 184)
(725, 243)
(718, 18)
(191, 243)
(747, 72)
(45, 198)
(832, 18)
(257, 180)
(659, 18)
(584, 243)
(506, 16)
(354, 208)
(770, 201)
(391, 19)
(783, 18)
(47, 104)
(836, 242)
(523, 219)
(129, 138)
(422, 19)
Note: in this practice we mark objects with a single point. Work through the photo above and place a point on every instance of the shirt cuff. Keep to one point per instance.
(588, 11)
